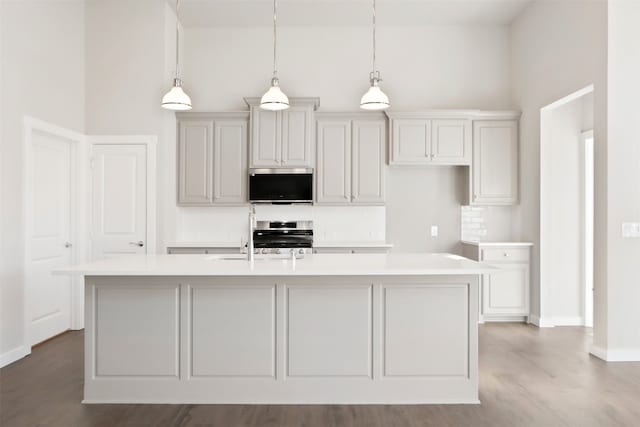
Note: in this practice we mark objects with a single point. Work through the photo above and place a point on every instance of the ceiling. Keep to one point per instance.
(244, 13)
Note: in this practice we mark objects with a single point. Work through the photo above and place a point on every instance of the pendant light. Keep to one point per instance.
(274, 99)
(176, 99)
(374, 99)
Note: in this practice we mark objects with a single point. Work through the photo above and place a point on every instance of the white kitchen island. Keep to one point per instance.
(343, 329)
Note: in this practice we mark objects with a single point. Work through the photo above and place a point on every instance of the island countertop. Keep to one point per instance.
(396, 264)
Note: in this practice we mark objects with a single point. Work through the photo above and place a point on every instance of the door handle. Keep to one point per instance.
(140, 243)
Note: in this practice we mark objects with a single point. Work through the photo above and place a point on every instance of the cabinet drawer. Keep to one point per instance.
(505, 254)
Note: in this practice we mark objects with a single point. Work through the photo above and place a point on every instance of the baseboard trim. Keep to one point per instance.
(568, 321)
(541, 322)
(12, 356)
(616, 354)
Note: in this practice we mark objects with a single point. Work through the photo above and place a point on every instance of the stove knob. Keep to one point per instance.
(278, 251)
(301, 251)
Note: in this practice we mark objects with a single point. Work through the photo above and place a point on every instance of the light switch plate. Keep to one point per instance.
(631, 229)
(434, 231)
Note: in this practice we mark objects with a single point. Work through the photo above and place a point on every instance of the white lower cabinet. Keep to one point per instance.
(350, 160)
(504, 294)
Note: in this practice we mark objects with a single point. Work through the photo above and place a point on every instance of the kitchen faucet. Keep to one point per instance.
(252, 226)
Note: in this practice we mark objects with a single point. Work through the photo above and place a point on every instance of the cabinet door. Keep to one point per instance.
(495, 163)
(230, 162)
(195, 157)
(367, 174)
(266, 149)
(506, 291)
(411, 141)
(333, 174)
(451, 142)
(297, 123)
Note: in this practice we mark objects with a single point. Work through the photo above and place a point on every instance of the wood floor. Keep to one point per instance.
(528, 377)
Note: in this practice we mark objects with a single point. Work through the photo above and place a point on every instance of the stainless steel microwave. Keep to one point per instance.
(281, 186)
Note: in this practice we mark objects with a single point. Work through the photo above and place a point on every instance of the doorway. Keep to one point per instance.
(53, 229)
(566, 211)
(123, 209)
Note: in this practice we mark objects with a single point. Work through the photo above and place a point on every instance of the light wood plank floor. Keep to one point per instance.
(528, 377)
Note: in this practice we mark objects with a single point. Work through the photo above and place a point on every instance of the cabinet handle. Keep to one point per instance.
(140, 243)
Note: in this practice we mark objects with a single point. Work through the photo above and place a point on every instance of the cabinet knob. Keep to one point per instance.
(506, 254)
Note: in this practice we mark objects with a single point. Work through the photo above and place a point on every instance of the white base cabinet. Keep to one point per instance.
(391, 339)
(504, 293)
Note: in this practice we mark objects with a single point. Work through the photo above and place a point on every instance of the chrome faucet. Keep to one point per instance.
(252, 226)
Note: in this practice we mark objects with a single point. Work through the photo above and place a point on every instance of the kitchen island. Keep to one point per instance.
(339, 329)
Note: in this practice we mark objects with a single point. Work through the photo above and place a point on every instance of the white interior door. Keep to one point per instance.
(119, 200)
(49, 234)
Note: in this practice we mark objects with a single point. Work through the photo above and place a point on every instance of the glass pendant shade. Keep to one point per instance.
(176, 99)
(374, 99)
(274, 99)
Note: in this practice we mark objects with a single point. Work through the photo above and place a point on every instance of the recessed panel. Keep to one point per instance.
(137, 331)
(329, 331)
(426, 330)
(233, 331)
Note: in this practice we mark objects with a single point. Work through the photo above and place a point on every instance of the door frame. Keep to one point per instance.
(545, 316)
(77, 215)
(150, 142)
(588, 160)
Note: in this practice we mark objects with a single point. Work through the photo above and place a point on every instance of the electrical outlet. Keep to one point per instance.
(434, 231)
(631, 229)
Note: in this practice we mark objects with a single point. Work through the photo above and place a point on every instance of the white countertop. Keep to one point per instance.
(320, 244)
(399, 264)
(501, 244)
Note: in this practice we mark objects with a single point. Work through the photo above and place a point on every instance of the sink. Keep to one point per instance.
(243, 257)
(227, 257)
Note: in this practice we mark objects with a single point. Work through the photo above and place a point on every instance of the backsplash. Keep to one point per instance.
(331, 223)
(482, 223)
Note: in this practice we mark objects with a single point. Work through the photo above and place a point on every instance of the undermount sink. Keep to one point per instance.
(243, 257)
(227, 257)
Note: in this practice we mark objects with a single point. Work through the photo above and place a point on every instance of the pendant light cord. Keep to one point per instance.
(275, 40)
(177, 40)
(373, 71)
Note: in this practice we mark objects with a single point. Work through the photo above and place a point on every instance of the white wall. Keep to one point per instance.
(557, 48)
(42, 48)
(621, 339)
(563, 215)
(422, 67)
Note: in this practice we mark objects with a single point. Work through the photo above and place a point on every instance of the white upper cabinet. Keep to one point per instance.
(282, 138)
(350, 156)
(367, 165)
(195, 156)
(230, 161)
(333, 170)
(419, 138)
(212, 159)
(266, 130)
(411, 141)
(494, 174)
(451, 142)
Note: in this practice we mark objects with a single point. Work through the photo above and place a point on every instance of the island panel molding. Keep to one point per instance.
(405, 332)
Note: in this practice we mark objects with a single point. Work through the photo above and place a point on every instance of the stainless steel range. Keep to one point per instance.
(283, 237)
